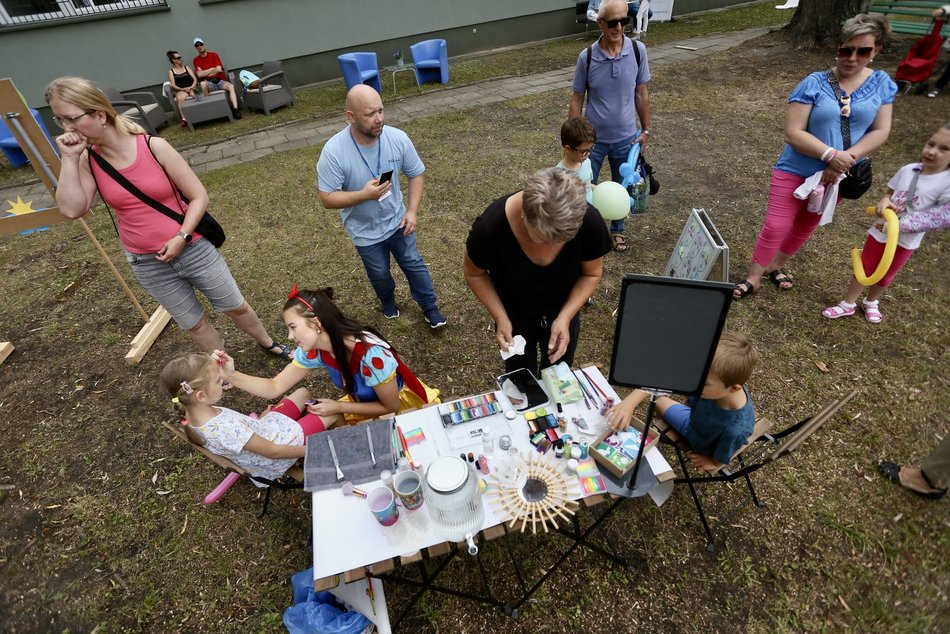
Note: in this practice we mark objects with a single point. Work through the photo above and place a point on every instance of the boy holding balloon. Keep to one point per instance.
(920, 195)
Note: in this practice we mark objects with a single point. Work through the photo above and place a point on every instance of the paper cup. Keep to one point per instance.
(409, 489)
(383, 505)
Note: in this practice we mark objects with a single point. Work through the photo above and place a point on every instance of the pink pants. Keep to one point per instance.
(309, 423)
(787, 225)
(871, 255)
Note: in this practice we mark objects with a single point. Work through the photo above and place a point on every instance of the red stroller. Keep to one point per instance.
(918, 64)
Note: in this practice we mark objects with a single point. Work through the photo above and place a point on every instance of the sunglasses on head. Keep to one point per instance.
(612, 24)
(845, 52)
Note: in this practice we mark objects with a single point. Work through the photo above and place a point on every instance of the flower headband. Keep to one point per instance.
(295, 294)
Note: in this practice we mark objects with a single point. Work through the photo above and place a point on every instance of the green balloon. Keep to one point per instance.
(611, 200)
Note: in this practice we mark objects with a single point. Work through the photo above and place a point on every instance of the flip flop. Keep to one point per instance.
(779, 277)
(278, 349)
(745, 287)
(620, 242)
(892, 471)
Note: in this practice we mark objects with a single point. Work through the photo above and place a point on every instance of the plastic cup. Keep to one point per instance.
(408, 486)
(383, 505)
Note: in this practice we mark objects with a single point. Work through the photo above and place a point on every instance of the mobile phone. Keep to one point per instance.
(522, 389)
(386, 177)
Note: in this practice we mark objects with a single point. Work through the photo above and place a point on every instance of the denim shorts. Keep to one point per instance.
(173, 284)
(216, 84)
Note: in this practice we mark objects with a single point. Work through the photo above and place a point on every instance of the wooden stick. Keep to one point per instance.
(685, 48)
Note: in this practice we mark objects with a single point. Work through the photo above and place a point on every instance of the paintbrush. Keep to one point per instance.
(405, 449)
(583, 389)
(597, 387)
(349, 489)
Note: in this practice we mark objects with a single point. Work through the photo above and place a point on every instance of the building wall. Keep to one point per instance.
(128, 51)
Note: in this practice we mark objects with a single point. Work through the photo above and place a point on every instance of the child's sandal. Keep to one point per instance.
(839, 310)
(871, 312)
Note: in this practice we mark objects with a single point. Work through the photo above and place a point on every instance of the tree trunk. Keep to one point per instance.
(818, 22)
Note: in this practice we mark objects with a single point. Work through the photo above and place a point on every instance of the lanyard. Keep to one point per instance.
(379, 155)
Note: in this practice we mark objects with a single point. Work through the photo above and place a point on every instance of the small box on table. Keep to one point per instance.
(616, 451)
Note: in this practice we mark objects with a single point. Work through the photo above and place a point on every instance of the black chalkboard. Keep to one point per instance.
(667, 332)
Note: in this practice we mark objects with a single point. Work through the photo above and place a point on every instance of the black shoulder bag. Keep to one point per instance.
(207, 227)
(859, 178)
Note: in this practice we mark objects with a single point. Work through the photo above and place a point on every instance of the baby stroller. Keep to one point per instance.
(918, 64)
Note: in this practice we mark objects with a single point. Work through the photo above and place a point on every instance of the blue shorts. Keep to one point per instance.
(678, 416)
(173, 284)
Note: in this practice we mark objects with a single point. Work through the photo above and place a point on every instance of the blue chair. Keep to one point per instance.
(11, 148)
(360, 68)
(431, 60)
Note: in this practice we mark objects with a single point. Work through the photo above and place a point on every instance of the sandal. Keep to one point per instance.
(892, 471)
(871, 312)
(744, 288)
(620, 242)
(280, 349)
(839, 310)
(782, 280)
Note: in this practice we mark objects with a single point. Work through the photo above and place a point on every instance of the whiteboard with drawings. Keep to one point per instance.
(701, 253)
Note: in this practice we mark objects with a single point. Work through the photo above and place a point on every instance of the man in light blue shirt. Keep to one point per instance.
(358, 173)
(615, 82)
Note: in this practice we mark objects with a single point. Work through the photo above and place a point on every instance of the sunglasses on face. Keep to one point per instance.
(612, 24)
(846, 52)
(199, 44)
(177, 57)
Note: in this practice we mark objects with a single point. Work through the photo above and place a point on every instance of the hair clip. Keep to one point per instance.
(295, 294)
(184, 421)
(175, 400)
(186, 387)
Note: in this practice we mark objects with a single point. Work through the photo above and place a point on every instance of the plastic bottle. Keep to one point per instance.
(488, 444)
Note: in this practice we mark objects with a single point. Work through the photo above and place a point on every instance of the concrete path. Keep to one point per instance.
(312, 132)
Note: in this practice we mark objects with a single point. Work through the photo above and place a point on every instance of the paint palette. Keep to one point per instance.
(465, 410)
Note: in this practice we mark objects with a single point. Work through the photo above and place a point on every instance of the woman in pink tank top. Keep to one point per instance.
(167, 256)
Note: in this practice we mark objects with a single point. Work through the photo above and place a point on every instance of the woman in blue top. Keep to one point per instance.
(814, 144)
(357, 358)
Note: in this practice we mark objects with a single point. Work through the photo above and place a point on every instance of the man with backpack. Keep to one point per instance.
(613, 72)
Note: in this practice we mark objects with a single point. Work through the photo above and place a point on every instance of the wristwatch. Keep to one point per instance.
(184, 236)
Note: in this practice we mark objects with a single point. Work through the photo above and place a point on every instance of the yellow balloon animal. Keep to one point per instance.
(890, 247)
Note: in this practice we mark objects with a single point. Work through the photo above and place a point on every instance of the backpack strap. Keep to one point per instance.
(590, 49)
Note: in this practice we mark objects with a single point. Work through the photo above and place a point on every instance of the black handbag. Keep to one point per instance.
(860, 177)
(858, 181)
(207, 226)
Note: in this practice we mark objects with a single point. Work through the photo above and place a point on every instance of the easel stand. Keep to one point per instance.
(46, 164)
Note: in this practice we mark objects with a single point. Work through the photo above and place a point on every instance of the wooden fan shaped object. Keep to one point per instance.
(546, 495)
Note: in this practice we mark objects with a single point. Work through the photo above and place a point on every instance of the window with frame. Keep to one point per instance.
(19, 12)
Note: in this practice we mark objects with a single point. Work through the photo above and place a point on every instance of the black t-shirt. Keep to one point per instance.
(523, 286)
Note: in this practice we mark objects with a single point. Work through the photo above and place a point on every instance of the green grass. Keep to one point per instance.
(92, 529)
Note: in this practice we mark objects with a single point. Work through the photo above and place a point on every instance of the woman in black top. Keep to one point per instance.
(533, 258)
(183, 81)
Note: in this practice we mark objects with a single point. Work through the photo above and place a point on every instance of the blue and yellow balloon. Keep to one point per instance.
(890, 248)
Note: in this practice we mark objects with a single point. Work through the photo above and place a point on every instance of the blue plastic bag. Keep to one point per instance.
(319, 612)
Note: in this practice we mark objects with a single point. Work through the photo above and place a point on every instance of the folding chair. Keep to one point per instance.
(293, 479)
(762, 449)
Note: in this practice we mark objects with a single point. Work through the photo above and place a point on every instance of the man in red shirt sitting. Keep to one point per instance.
(210, 71)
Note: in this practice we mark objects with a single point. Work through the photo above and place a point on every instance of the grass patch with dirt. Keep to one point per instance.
(103, 521)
